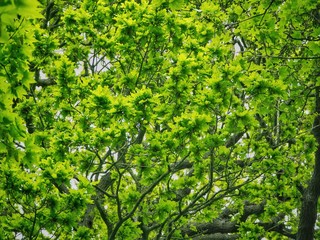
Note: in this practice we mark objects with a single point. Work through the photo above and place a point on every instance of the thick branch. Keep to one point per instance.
(223, 224)
(224, 228)
(88, 217)
(217, 236)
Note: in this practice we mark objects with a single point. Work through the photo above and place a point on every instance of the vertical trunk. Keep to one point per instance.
(308, 215)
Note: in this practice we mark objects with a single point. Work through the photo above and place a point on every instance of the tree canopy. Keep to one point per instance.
(164, 119)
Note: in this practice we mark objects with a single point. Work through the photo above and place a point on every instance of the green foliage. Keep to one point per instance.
(152, 119)
(9, 11)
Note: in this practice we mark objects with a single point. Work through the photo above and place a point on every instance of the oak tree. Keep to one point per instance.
(163, 119)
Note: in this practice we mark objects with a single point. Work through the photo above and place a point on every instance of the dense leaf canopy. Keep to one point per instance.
(164, 119)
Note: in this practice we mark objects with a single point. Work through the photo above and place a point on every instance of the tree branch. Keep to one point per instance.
(217, 236)
(224, 228)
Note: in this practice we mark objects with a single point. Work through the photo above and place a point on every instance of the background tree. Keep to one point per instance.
(160, 120)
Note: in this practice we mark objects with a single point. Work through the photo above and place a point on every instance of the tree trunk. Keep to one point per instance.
(308, 215)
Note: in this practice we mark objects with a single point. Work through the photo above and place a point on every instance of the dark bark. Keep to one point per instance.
(234, 139)
(308, 215)
(217, 236)
(89, 215)
(224, 228)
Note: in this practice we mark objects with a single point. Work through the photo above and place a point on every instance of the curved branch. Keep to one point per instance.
(224, 228)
